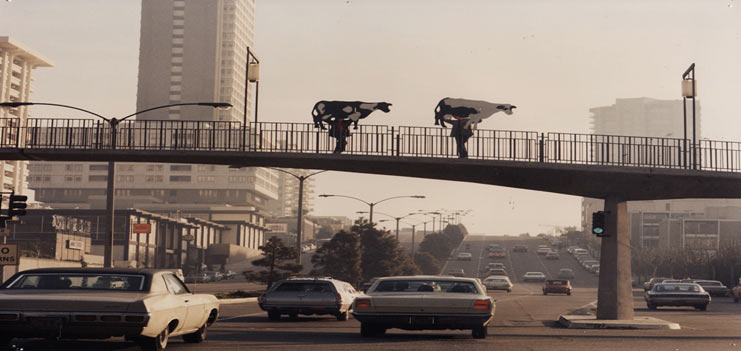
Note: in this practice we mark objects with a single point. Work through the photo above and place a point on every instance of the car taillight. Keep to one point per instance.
(339, 299)
(362, 303)
(482, 305)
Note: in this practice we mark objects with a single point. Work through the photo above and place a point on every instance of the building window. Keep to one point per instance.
(97, 178)
(182, 179)
(181, 168)
(98, 167)
(153, 168)
(154, 179)
(73, 168)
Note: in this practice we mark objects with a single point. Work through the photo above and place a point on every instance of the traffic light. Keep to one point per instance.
(17, 206)
(598, 223)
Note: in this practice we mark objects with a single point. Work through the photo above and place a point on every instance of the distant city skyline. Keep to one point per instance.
(554, 60)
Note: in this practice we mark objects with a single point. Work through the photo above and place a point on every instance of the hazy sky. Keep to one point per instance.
(553, 59)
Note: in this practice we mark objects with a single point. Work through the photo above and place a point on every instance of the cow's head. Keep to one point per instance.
(507, 108)
(383, 106)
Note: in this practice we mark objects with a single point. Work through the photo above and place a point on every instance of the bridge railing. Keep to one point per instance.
(614, 150)
(378, 140)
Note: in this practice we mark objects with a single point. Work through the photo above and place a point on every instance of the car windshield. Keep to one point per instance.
(79, 281)
(304, 287)
(677, 288)
(415, 286)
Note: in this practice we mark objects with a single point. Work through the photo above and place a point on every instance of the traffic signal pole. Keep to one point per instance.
(615, 295)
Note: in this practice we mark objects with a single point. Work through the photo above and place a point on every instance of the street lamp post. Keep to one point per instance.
(371, 204)
(397, 219)
(110, 191)
(252, 75)
(300, 214)
(689, 91)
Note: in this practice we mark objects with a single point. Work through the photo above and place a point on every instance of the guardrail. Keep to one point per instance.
(375, 140)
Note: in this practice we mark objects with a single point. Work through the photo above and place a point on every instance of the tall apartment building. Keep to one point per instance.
(644, 117)
(190, 51)
(17, 63)
(287, 203)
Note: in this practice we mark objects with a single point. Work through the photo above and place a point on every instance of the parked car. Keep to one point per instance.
(713, 287)
(144, 305)
(457, 272)
(542, 251)
(566, 273)
(677, 294)
(533, 277)
(308, 296)
(215, 276)
(498, 282)
(651, 282)
(198, 278)
(553, 255)
(557, 286)
(465, 256)
(519, 248)
(424, 302)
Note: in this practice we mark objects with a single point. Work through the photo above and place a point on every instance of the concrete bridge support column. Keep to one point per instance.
(615, 295)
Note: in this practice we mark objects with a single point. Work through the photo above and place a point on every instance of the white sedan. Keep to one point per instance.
(143, 305)
(465, 256)
(533, 277)
(498, 282)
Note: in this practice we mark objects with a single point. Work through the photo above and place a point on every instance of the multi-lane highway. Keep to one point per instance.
(524, 320)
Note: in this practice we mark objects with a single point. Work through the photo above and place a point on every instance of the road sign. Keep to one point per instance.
(142, 228)
(8, 255)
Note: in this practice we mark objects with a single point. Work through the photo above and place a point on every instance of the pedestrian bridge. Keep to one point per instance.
(630, 167)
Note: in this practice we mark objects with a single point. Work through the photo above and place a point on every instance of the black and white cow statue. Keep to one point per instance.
(473, 111)
(327, 111)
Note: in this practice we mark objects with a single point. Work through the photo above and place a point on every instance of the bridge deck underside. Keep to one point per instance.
(625, 183)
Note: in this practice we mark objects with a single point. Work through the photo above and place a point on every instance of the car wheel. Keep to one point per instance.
(651, 306)
(702, 307)
(370, 330)
(342, 316)
(157, 343)
(197, 336)
(480, 332)
(509, 290)
(568, 293)
(273, 315)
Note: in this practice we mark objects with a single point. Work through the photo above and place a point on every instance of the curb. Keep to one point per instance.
(236, 301)
(590, 322)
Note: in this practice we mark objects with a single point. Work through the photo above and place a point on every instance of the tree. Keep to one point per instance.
(438, 245)
(381, 255)
(427, 263)
(340, 258)
(325, 232)
(279, 261)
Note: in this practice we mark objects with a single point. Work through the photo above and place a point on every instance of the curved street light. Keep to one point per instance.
(300, 215)
(371, 204)
(397, 219)
(113, 123)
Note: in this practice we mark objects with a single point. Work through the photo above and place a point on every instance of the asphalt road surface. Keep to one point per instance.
(524, 320)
